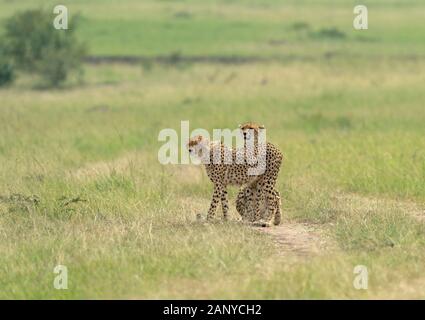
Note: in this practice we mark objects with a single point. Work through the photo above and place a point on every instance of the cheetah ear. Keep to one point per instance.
(261, 127)
(240, 126)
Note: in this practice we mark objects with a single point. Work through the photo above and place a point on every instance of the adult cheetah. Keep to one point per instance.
(254, 143)
(260, 167)
(223, 167)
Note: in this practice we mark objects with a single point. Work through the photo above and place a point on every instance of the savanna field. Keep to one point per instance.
(81, 184)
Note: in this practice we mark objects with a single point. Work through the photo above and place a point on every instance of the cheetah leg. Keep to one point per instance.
(214, 201)
(272, 208)
(259, 196)
(224, 203)
(241, 202)
(272, 195)
(277, 213)
(250, 201)
(263, 219)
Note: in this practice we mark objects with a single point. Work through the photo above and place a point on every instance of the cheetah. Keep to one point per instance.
(245, 207)
(222, 168)
(273, 160)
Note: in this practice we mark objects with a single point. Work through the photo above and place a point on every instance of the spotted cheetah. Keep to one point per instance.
(253, 140)
(245, 207)
(222, 168)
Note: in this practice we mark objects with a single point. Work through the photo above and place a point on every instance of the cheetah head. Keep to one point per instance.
(250, 130)
(198, 146)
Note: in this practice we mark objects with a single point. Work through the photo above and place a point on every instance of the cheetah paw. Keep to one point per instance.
(199, 217)
(261, 223)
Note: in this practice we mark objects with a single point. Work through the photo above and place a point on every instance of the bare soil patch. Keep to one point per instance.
(301, 239)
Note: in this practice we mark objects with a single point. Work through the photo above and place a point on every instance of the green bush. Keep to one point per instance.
(37, 47)
(6, 69)
(6, 72)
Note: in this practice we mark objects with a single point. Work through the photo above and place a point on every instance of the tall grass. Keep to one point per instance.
(80, 183)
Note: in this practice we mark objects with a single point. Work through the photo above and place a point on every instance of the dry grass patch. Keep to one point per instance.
(121, 165)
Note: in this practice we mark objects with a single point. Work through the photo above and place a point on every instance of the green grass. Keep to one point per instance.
(242, 28)
(347, 113)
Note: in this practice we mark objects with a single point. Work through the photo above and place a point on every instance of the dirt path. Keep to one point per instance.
(300, 239)
(303, 239)
(290, 237)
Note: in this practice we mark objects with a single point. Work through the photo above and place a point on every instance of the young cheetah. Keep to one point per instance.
(222, 168)
(244, 206)
(271, 163)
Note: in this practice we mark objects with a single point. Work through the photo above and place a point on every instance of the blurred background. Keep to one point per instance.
(80, 113)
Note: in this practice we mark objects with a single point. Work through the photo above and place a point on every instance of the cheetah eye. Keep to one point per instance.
(190, 150)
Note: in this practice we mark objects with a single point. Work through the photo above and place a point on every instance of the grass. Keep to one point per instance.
(248, 28)
(80, 183)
